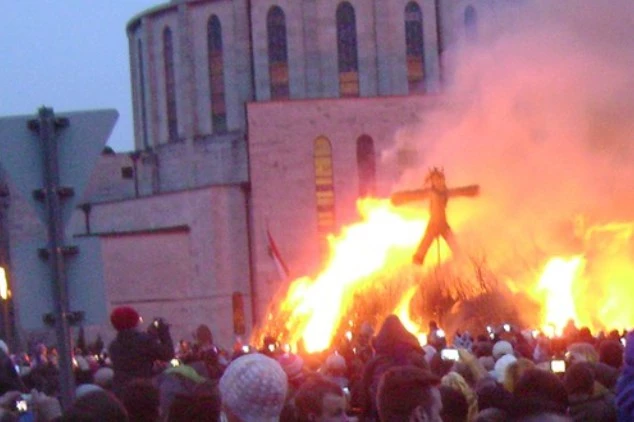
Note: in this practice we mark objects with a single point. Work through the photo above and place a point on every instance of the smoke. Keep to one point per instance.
(539, 111)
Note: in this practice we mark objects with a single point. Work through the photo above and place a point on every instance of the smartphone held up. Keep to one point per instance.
(450, 354)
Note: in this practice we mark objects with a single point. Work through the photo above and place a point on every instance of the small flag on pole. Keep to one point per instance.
(274, 252)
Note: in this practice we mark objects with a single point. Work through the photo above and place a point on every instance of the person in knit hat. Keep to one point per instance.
(134, 352)
(182, 380)
(103, 377)
(124, 318)
(502, 348)
(499, 370)
(335, 370)
(293, 366)
(253, 389)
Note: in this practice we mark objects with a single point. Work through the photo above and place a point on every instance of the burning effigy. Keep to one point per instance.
(438, 194)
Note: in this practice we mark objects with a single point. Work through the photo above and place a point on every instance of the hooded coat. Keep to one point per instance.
(394, 346)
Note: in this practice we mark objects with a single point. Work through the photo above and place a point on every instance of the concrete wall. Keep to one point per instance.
(179, 256)
(281, 137)
(214, 160)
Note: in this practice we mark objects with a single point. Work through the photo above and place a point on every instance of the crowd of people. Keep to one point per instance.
(382, 375)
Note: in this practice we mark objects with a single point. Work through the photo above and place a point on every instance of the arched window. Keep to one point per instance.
(239, 319)
(347, 51)
(146, 143)
(471, 23)
(415, 48)
(278, 52)
(216, 75)
(366, 165)
(324, 188)
(170, 85)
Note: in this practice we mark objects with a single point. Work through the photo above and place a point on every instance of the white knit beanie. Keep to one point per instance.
(103, 377)
(502, 348)
(499, 370)
(86, 389)
(254, 388)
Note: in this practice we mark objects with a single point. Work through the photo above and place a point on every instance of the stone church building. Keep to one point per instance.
(254, 118)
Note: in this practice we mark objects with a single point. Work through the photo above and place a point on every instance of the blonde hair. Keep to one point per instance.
(455, 381)
(514, 372)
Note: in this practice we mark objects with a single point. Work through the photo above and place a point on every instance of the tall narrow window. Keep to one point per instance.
(216, 75)
(324, 188)
(347, 51)
(471, 23)
(415, 48)
(146, 143)
(170, 85)
(278, 53)
(366, 165)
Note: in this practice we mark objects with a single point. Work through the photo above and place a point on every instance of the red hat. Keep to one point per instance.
(124, 318)
(292, 364)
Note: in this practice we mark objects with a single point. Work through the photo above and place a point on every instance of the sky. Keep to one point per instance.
(70, 55)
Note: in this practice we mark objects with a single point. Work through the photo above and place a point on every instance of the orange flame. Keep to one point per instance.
(592, 288)
(403, 313)
(372, 258)
(557, 282)
(381, 242)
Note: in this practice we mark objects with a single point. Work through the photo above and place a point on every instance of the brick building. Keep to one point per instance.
(253, 116)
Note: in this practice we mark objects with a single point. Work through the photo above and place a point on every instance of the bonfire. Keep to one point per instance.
(370, 275)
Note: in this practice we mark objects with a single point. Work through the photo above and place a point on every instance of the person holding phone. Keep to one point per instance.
(134, 352)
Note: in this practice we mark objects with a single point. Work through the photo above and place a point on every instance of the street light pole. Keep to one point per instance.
(47, 125)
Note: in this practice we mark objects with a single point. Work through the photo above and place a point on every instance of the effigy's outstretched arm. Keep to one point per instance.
(406, 196)
(470, 190)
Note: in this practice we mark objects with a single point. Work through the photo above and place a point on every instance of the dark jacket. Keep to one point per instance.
(606, 375)
(9, 378)
(395, 346)
(584, 408)
(133, 354)
(625, 384)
